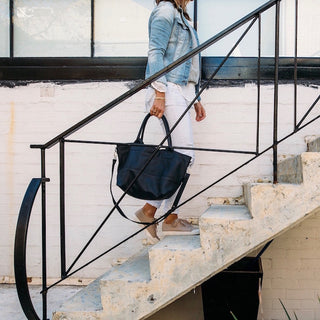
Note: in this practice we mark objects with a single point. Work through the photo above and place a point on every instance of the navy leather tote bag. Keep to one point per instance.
(148, 172)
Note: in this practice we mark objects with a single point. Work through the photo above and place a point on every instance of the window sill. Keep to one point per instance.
(133, 68)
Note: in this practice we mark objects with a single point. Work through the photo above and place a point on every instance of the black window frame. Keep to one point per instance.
(133, 68)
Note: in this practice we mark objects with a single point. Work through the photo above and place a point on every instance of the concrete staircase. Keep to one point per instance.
(162, 273)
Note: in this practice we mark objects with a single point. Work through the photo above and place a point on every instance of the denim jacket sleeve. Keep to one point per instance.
(160, 28)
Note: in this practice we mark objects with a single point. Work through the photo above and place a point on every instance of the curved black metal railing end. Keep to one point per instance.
(20, 248)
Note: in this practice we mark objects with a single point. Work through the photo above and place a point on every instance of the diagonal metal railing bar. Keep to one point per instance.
(309, 122)
(161, 144)
(295, 76)
(99, 256)
(247, 162)
(309, 110)
(183, 203)
(90, 240)
(157, 75)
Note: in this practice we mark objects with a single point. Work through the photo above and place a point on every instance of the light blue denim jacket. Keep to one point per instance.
(169, 39)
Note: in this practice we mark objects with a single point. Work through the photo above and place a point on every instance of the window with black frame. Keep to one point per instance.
(98, 39)
(56, 28)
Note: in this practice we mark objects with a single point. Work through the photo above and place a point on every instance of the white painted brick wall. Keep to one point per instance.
(291, 267)
(35, 113)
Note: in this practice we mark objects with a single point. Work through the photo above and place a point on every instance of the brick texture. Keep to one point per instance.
(294, 278)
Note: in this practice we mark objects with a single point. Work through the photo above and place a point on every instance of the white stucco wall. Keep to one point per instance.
(37, 112)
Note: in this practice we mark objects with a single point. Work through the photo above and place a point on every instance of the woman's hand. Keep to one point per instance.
(158, 106)
(200, 111)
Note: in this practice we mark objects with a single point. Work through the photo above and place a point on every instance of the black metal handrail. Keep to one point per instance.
(253, 17)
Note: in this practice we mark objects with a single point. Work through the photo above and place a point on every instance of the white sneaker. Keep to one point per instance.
(179, 227)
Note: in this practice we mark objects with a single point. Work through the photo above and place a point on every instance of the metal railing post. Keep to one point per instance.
(11, 35)
(276, 95)
(258, 85)
(295, 64)
(62, 209)
(92, 41)
(44, 234)
(195, 15)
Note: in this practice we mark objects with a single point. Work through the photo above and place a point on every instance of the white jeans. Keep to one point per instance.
(177, 100)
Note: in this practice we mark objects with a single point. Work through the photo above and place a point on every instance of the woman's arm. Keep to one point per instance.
(160, 28)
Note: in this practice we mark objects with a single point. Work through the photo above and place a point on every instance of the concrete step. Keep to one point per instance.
(225, 212)
(313, 145)
(290, 170)
(177, 263)
(124, 286)
(152, 280)
(172, 252)
(135, 269)
(299, 169)
(222, 229)
(86, 304)
(225, 201)
(275, 208)
(103, 298)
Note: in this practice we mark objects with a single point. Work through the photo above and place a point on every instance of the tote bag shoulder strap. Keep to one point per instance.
(175, 202)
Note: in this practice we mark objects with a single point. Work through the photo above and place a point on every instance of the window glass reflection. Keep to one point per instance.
(44, 28)
(215, 16)
(308, 28)
(52, 28)
(4, 29)
(121, 28)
